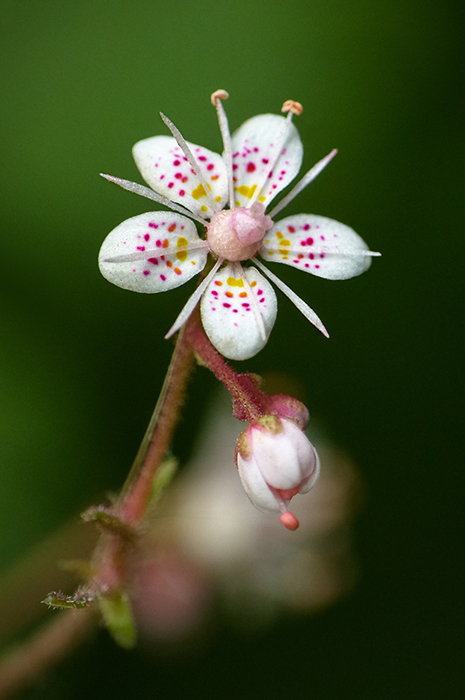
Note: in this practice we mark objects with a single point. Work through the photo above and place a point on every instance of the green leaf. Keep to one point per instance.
(118, 618)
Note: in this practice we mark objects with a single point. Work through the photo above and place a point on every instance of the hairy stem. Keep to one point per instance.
(137, 489)
(22, 666)
(250, 403)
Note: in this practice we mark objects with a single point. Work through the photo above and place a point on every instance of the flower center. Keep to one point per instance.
(237, 234)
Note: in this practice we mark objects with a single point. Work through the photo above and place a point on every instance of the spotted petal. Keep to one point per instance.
(267, 155)
(153, 252)
(238, 311)
(167, 170)
(315, 244)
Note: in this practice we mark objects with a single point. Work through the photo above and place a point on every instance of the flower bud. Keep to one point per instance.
(276, 461)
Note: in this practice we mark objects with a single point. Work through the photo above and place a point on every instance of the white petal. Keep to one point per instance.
(267, 154)
(153, 252)
(315, 244)
(256, 487)
(285, 459)
(229, 311)
(193, 301)
(311, 480)
(166, 169)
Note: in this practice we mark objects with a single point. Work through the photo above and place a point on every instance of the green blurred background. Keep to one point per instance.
(82, 361)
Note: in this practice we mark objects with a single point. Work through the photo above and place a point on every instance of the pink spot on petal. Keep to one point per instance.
(163, 278)
(140, 247)
(146, 272)
(147, 237)
(227, 306)
(306, 227)
(251, 167)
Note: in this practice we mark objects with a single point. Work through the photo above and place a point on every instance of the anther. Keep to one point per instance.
(219, 95)
(289, 520)
(292, 106)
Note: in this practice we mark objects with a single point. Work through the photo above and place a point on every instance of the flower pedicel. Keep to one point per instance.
(158, 251)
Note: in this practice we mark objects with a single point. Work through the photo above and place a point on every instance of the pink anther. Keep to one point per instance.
(292, 106)
(289, 520)
(219, 95)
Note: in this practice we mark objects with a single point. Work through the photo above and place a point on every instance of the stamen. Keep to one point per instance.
(304, 308)
(292, 106)
(193, 300)
(150, 194)
(219, 95)
(238, 269)
(289, 520)
(143, 255)
(295, 249)
(190, 157)
(217, 98)
(282, 138)
(306, 180)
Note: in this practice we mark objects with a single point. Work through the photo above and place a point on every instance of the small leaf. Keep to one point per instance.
(108, 520)
(57, 600)
(118, 618)
(162, 479)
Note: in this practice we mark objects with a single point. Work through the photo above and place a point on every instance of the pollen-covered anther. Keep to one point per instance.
(219, 95)
(292, 106)
(289, 520)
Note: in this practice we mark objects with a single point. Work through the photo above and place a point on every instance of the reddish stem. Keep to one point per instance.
(249, 402)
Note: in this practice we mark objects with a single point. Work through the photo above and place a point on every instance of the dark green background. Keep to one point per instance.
(82, 361)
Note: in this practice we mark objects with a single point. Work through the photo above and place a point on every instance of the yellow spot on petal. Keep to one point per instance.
(199, 192)
(233, 282)
(218, 199)
(182, 255)
(193, 262)
(242, 294)
(253, 284)
(177, 270)
(279, 235)
(169, 263)
(229, 294)
(219, 283)
(214, 177)
(246, 191)
(262, 198)
(270, 252)
(166, 243)
(238, 204)
(204, 208)
(284, 242)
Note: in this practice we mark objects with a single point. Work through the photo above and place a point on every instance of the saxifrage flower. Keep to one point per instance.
(161, 250)
(276, 461)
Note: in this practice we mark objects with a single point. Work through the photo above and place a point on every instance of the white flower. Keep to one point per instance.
(158, 250)
(276, 461)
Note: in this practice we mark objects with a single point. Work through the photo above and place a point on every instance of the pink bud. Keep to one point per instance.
(276, 461)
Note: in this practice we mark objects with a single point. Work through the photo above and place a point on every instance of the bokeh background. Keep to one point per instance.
(82, 361)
